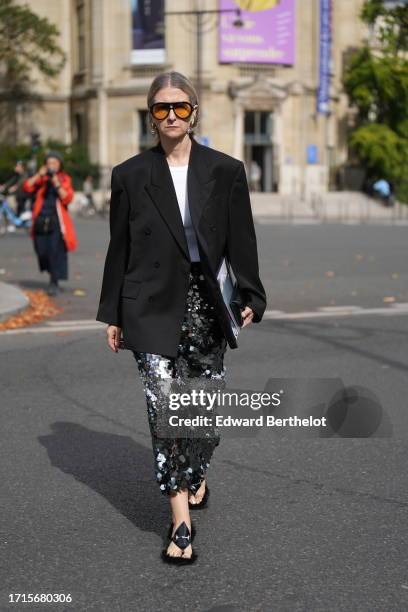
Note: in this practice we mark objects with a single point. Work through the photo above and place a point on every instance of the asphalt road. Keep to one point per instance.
(296, 521)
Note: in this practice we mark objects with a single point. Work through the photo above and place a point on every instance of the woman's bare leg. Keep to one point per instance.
(180, 513)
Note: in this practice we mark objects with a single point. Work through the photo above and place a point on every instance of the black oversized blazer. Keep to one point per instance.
(146, 273)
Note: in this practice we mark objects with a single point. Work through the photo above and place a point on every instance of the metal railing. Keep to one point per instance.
(355, 206)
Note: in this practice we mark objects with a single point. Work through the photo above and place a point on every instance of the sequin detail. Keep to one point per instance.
(183, 462)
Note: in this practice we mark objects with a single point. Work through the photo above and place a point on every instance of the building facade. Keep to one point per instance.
(259, 111)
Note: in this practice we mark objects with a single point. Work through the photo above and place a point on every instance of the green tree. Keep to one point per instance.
(27, 43)
(376, 81)
(76, 160)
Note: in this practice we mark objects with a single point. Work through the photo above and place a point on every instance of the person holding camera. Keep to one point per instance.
(52, 230)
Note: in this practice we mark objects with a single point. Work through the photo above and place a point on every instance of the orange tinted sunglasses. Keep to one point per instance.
(161, 110)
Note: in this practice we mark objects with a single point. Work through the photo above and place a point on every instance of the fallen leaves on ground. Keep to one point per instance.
(41, 307)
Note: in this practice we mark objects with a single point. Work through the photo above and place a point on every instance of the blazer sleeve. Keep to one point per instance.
(109, 310)
(242, 245)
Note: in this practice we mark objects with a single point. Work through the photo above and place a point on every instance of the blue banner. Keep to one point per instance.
(312, 154)
(323, 92)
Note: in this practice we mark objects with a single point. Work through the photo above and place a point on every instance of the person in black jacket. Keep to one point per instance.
(177, 209)
(14, 185)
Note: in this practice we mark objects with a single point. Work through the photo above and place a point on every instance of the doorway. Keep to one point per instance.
(258, 150)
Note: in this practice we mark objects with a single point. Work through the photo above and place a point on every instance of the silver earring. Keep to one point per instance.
(189, 129)
(153, 129)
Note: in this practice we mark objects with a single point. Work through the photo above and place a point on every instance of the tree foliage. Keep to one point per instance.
(28, 44)
(76, 159)
(376, 81)
(27, 41)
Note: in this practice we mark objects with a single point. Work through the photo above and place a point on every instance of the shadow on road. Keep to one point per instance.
(115, 466)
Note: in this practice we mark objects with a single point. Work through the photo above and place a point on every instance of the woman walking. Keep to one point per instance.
(176, 210)
(52, 228)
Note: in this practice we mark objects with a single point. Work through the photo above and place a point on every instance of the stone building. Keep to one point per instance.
(260, 111)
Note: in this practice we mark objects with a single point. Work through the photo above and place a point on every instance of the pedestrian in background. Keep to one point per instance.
(52, 229)
(382, 189)
(14, 186)
(255, 176)
(87, 188)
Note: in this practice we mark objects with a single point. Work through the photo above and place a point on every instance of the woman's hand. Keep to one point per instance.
(114, 336)
(32, 180)
(61, 191)
(55, 181)
(247, 315)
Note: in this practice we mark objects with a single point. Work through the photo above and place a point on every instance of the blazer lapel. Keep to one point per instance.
(199, 186)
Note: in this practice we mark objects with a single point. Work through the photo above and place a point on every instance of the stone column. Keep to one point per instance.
(238, 130)
(100, 35)
(277, 142)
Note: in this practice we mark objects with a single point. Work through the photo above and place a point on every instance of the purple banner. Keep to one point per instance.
(267, 36)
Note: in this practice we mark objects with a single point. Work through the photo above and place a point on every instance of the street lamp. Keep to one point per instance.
(237, 23)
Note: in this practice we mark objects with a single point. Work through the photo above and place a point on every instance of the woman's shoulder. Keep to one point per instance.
(140, 160)
(220, 157)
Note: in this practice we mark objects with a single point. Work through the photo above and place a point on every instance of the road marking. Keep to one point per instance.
(397, 308)
(270, 220)
(57, 326)
(339, 311)
(73, 323)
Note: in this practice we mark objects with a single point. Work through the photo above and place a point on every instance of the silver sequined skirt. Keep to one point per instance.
(182, 462)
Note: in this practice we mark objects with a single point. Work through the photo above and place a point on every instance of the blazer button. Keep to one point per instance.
(213, 228)
(150, 298)
(147, 230)
(156, 264)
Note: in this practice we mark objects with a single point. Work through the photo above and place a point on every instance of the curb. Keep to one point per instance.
(12, 300)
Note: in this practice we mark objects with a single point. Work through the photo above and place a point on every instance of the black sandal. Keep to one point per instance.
(182, 539)
(193, 531)
(204, 500)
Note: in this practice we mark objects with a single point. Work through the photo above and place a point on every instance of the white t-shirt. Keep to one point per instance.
(179, 176)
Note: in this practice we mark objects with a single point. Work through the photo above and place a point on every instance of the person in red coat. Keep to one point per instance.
(52, 229)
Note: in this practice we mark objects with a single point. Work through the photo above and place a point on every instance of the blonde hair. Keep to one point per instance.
(172, 79)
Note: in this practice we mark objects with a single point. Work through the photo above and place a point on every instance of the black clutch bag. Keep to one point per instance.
(232, 296)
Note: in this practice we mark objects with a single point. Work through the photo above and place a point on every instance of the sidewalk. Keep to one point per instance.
(12, 300)
(330, 206)
(353, 206)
